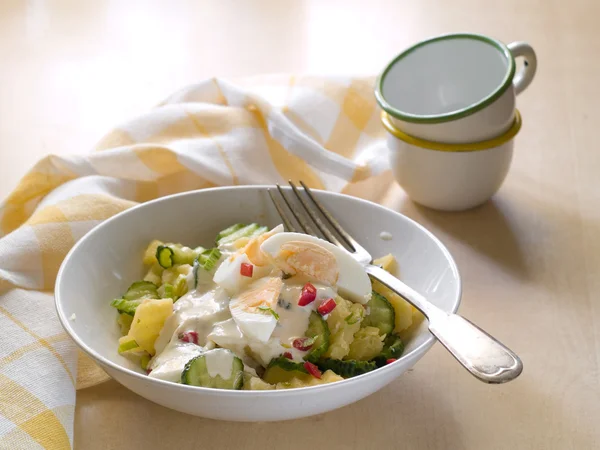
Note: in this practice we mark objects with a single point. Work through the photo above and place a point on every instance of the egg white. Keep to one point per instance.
(229, 277)
(353, 282)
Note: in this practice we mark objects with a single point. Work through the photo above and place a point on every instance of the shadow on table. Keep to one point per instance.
(486, 229)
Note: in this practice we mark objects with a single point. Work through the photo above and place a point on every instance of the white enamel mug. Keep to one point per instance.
(455, 88)
(450, 177)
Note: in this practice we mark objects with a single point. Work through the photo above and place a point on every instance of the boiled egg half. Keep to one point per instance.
(229, 274)
(316, 259)
(253, 310)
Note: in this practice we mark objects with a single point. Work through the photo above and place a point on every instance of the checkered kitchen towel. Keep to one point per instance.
(325, 131)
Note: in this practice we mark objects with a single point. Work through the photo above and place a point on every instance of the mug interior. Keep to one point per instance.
(446, 75)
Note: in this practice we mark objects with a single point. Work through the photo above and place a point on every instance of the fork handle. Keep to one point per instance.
(481, 354)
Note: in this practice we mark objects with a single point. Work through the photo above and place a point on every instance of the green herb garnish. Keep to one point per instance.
(270, 311)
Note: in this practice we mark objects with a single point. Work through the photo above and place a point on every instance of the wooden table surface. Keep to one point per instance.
(530, 259)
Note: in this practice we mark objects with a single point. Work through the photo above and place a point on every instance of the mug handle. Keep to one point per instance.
(526, 74)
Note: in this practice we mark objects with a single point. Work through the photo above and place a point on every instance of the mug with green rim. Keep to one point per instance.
(455, 88)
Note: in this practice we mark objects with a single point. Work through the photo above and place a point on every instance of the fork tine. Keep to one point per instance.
(281, 213)
(316, 219)
(334, 223)
(299, 218)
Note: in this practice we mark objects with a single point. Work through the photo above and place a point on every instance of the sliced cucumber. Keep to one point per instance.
(282, 369)
(208, 258)
(171, 254)
(286, 364)
(317, 329)
(138, 291)
(381, 314)
(125, 306)
(239, 230)
(207, 261)
(164, 256)
(228, 232)
(197, 371)
(346, 369)
(185, 255)
(141, 290)
(393, 347)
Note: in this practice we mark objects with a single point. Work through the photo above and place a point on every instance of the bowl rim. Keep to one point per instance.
(418, 351)
(459, 113)
(454, 148)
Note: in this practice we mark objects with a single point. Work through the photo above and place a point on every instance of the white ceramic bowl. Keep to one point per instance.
(105, 261)
(455, 88)
(450, 177)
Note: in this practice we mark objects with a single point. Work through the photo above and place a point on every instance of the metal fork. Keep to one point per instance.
(481, 354)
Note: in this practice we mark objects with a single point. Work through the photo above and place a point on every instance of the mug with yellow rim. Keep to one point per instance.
(449, 177)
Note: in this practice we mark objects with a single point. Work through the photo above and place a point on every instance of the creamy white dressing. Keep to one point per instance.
(205, 281)
(219, 362)
(171, 362)
(207, 314)
(264, 352)
(292, 323)
(190, 281)
(228, 335)
(194, 312)
(206, 311)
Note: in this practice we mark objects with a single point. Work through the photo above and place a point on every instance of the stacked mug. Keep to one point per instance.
(449, 108)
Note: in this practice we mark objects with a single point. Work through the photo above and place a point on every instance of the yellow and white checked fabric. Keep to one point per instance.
(325, 131)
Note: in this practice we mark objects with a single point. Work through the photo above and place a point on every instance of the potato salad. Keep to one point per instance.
(261, 309)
